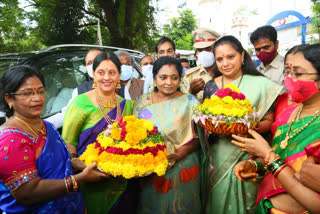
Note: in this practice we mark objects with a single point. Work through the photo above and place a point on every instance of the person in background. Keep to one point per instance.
(165, 47)
(178, 191)
(133, 87)
(87, 116)
(264, 40)
(195, 78)
(226, 194)
(146, 66)
(185, 65)
(291, 181)
(284, 105)
(36, 174)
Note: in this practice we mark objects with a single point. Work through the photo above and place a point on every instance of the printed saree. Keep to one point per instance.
(178, 191)
(82, 124)
(22, 159)
(305, 144)
(226, 194)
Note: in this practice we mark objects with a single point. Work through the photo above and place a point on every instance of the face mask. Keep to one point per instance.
(267, 57)
(205, 58)
(90, 70)
(146, 69)
(126, 72)
(300, 90)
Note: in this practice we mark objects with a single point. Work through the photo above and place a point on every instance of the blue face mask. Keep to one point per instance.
(126, 72)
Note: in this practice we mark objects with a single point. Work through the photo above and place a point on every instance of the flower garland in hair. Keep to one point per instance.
(129, 147)
(227, 105)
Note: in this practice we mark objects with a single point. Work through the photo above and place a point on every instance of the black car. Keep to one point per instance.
(63, 68)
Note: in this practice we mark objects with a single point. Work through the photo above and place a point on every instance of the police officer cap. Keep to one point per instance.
(204, 37)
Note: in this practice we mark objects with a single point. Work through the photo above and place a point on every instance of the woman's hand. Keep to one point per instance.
(309, 174)
(256, 146)
(77, 164)
(91, 174)
(173, 158)
(245, 171)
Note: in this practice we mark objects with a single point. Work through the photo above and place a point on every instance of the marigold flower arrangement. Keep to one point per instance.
(130, 147)
(227, 112)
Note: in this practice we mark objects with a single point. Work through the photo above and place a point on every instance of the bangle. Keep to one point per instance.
(73, 155)
(275, 165)
(276, 173)
(268, 154)
(260, 169)
(66, 183)
(254, 164)
(75, 184)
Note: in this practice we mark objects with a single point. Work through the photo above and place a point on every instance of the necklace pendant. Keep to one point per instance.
(284, 143)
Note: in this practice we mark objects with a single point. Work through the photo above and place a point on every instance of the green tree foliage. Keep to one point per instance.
(180, 29)
(316, 16)
(15, 35)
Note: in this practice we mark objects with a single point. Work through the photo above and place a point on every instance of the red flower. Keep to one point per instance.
(223, 92)
(186, 175)
(123, 130)
(234, 95)
(241, 96)
(154, 131)
(161, 184)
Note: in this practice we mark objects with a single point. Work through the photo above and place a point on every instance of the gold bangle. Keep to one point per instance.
(255, 165)
(267, 156)
(66, 183)
(75, 184)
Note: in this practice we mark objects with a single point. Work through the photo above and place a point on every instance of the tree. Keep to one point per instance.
(180, 29)
(316, 16)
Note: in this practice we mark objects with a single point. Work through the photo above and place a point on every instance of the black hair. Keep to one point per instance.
(12, 80)
(165, 60)
(293, 49)
(312, 54)
(90, 50)
(163, 40)
(104, 56)
(184, 60)
(264, 32)
(247, 65)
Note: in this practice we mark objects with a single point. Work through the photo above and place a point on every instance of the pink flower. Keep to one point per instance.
(234, 95)
(223, 92)
(154, 131)
(241, 96)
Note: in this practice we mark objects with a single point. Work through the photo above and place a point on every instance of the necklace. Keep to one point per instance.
(103, 109)
(284, 143)
(222, 80)
(35, 131)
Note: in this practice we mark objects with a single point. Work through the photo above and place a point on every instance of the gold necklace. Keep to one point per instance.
(103, 109)
(35, 131)
(284, 143)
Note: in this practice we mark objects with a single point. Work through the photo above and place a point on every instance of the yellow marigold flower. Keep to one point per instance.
(232, 87)
(148, 125)
(116, 133)
(227, 99)
(106, 142)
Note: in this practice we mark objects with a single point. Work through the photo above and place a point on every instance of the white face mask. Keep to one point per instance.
(205, 58)
(146, 69)
(90, 70)
(126, 72)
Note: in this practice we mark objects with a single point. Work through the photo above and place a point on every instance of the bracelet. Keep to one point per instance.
(75, 184)
(73, 155)
(268, 154)
(275, 165)
(255, 165)
(260, 169)
(279, 170)
(66, 183)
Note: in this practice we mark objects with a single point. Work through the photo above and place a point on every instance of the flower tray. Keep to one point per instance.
(222, 128)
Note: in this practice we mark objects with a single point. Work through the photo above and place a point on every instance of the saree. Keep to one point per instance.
(178, 191)
(82, 124)
(22, 159)
(306, 143)
(227, 194)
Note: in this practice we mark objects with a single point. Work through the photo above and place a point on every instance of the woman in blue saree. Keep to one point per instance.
(88, 115)
(36, 174)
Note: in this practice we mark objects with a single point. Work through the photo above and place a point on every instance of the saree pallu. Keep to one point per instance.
(52, 163)
(83, 122)
(227, 194)
(178, 191)
(305, 144)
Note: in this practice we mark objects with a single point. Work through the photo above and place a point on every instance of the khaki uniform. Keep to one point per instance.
(196, 73)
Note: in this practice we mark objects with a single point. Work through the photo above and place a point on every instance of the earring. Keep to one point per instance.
(118, 85)
(10, 105)
(94, 85)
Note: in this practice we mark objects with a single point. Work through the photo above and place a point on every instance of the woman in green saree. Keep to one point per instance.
(178, 191)
(226, 194)
(286, 186)
(88, 115)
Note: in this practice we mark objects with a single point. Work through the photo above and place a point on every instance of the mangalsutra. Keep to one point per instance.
(284, 143)
(34, 130)
(103, 109)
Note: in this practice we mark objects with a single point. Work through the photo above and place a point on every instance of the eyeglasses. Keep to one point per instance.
(29, 93)
(296, 74)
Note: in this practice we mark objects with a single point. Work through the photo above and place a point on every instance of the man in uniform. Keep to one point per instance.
(195, 79)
